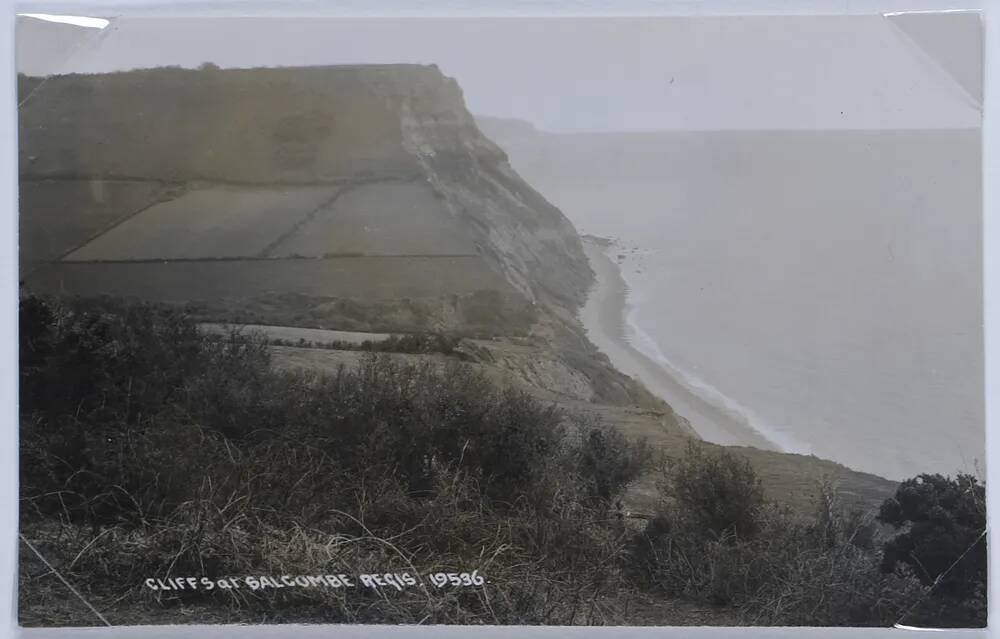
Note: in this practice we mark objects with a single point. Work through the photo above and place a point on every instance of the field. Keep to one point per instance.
(232, 246)
(58, 216)
(370, 278)
(338, 127)
(215, 222)
(294, 333)
(379, 219)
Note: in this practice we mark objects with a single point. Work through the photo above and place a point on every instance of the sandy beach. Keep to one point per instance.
(603, 316)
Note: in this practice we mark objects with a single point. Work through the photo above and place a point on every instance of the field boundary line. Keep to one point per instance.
(305, 219)
(345, 188)
(163, 187)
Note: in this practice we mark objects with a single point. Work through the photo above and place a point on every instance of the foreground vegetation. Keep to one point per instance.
(718, 541)
(150, 450)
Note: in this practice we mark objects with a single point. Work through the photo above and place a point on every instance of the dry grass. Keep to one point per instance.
(152, 451)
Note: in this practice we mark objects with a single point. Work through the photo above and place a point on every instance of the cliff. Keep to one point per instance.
(343, 127)
(361, 198)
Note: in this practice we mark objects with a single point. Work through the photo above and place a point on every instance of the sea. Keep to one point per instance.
(824, 285)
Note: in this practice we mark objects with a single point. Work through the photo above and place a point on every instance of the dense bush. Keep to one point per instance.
(717, 541)
(151, 450)
(945, 520)
(719, 492)
(942, 525)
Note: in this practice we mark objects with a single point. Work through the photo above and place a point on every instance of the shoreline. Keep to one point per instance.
(603, 318)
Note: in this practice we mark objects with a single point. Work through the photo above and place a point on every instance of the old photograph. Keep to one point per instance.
(671, 321)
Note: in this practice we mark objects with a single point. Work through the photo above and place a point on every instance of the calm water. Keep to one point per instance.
(825, 284)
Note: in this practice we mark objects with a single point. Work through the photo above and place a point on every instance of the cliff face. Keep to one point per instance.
(536, 248)
(339, 126)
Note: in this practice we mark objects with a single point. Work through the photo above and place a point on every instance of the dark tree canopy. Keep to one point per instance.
(942, 522)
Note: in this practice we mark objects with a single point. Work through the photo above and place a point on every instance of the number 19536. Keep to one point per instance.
(442, 579)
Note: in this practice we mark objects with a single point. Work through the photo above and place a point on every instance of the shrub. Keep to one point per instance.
(719, 491)
(942, 524)
(945, 519)
(610, 462)
(717, 541)
(824, 571)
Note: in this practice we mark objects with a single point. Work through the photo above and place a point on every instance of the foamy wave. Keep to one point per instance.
(644, 343)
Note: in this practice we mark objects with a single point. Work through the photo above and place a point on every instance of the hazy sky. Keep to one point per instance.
(586, 74)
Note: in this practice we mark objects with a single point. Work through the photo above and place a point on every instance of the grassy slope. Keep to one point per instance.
(532, 364)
